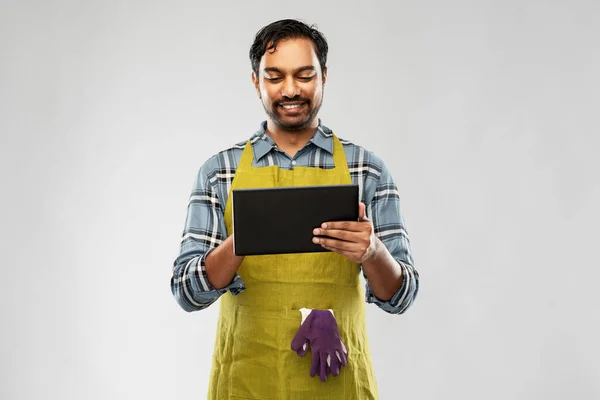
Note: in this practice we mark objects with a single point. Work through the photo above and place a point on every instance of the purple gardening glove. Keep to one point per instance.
(319, 329)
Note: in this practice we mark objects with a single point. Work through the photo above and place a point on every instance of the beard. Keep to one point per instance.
(299, 122)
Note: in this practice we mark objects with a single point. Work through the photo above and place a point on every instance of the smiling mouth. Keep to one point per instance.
(292, 107)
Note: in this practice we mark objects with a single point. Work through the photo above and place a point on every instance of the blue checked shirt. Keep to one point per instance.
(205, 225)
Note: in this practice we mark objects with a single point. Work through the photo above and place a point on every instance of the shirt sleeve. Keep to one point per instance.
(384, 211)
(204, 230)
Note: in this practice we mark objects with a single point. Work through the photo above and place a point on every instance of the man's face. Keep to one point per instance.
(290, 84)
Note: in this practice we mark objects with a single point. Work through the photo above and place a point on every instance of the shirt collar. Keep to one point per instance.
(262, 143)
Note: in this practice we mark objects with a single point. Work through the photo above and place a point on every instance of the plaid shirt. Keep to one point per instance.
(205, 226)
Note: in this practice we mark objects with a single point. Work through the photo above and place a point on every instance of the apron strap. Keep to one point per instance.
(339, 157)
(247, 156)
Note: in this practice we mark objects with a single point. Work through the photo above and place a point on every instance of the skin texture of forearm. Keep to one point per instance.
(383, 272)
(222, 264)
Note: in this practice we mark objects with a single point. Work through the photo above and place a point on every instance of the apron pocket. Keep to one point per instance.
(295, 371)
(254, 356)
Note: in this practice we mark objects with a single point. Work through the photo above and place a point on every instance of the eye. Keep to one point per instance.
(305, 78)
(273, 79)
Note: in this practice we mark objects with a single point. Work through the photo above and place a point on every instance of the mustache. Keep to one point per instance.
(296, 99)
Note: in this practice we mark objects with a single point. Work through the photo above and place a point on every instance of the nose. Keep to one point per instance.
(289, 88)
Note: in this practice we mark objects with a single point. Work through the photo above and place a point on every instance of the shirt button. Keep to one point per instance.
(293, 162)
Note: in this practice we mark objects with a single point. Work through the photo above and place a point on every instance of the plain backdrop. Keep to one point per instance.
(486, 112)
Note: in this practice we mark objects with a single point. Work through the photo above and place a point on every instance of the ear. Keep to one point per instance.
(324, 75)
(256, 84)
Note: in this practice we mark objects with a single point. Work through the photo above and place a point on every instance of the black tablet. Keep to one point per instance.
(281, 220)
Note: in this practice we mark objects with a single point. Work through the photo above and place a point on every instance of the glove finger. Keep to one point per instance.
(342, 356)
(318, 368)
(327, 367)
(299, 339)
(328, 371)
(335, 368)
(344, 347)
(315, 363)
(323, 367)
(302, 351)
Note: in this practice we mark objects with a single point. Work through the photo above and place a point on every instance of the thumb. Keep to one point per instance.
(302, 352)
(362, 212)
(299, 339)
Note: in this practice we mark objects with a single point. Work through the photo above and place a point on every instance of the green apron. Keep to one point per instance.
(252, 357)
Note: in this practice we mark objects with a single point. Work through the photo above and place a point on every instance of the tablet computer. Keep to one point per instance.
(281, 220)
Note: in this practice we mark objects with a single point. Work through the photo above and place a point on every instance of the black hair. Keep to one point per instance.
(287, 29)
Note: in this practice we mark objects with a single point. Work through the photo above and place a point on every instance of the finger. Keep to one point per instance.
(362, 214)
(327, 370)
(352, 226)
(349, 255)
(342, 252)
(315, 363)
(335, 368)
(347, 236)
(361, 211)
(339, 244)
(323, 368)
(299, 340)
(341, 357)
(303, 349)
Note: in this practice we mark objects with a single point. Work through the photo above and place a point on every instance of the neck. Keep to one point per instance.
(291, 141)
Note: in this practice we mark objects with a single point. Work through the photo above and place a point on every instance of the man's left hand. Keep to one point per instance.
(355, 240)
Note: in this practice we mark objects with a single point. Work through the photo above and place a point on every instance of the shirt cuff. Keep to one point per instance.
(204, 292)
(399, 302)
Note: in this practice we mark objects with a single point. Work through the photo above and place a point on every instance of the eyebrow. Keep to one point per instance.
(300, 69)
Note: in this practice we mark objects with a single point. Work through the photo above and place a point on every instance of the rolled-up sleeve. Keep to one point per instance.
(204, 230)
(384, 211)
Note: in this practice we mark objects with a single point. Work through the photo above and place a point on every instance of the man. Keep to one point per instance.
(269, 301)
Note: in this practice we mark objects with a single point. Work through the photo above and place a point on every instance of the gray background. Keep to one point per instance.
(485, 112)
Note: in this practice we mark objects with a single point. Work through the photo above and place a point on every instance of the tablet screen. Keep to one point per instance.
(281, 220)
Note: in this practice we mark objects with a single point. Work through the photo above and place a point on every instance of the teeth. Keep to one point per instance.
(290, 106)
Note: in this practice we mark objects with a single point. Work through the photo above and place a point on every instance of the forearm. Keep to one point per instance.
(222, 264)
(383, 272)
(190, 286)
